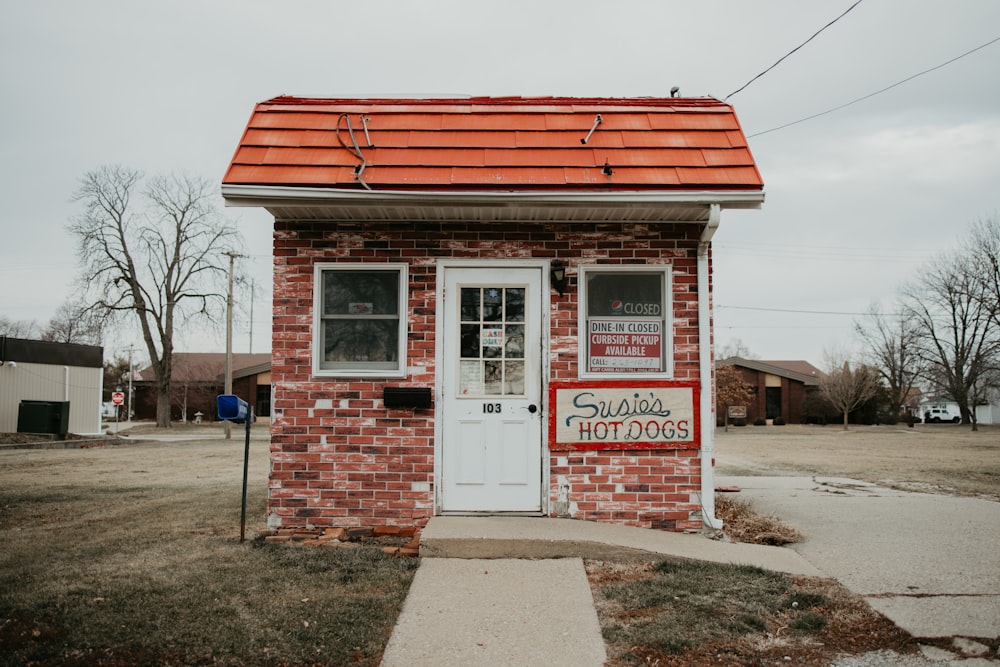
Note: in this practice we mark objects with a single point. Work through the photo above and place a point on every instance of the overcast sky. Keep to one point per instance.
(857, 200)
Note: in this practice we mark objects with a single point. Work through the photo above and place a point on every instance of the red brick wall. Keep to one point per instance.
(340, 459)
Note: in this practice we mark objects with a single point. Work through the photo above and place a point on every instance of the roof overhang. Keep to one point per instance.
(770, 369)
(303, 203)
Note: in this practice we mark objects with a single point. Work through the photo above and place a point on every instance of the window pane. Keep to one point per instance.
(492, 304)
(361, 293)
(471, 381)
(515, 304)
(625, 295)
(470, 341)
(514, 382)
(492, 340)
(470, 304)
(361, 340)
(493, 380)
(625, 326)
(513, 346)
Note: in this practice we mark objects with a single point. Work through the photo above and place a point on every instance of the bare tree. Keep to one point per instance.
(18, 328)
(735, 348)
(847, 388)
(983, 251)
(158, 254)
(75, 323)
(892, 347)
(959, 339)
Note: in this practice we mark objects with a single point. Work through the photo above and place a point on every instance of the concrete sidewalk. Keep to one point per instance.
(497, 612)
(930, 563)
(513, 591)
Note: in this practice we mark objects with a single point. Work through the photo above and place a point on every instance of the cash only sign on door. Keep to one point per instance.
(623, 415)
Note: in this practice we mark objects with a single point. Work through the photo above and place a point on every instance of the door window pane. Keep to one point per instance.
(514, 307)
(492, 351)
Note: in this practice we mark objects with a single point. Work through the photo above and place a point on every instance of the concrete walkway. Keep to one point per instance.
(497, 612)
(513, 591)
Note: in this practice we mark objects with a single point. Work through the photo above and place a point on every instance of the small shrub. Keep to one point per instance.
(779, 421)
(760, 422)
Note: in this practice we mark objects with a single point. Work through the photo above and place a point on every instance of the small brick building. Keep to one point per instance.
(782, 389)
(492, 305)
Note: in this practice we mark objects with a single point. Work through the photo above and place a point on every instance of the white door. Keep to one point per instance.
(491, 430)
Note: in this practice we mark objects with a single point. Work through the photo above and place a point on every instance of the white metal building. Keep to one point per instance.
(34, 370)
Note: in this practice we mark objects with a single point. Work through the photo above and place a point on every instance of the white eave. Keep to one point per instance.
(301, 203)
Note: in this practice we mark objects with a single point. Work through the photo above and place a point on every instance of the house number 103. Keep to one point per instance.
(491, 408)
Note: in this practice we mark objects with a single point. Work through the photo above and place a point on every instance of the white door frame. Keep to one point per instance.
(439, 335)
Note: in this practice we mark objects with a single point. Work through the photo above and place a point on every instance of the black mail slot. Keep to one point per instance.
(406, 397)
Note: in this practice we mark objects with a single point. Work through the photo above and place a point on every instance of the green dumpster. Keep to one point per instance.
(43, 417)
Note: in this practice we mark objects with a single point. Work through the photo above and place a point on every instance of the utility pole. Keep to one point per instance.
(253, 289)
(229, 336)
(128, 414)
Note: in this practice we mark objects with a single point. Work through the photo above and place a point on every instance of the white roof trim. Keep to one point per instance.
(288, 196)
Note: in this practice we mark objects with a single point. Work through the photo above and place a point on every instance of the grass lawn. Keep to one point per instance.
(126, 574)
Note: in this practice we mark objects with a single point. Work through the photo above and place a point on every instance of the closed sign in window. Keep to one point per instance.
(624, 323)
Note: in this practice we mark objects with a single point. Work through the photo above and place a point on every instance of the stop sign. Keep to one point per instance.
(118, 397)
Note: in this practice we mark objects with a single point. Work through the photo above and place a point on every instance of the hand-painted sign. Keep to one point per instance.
(492, 337)
(619, 345)
(623, 415)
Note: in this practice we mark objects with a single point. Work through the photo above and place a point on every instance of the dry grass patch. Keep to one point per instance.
(741, 523)
(122, 574)
(690, 613)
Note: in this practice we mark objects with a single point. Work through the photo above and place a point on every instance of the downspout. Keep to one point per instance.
(705, 373)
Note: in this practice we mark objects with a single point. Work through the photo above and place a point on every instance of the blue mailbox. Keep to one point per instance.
(232, 408)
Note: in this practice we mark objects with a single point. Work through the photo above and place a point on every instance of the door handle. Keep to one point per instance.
(532, 408)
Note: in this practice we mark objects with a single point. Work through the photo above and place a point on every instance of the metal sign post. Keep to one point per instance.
(117, 398)
(735, 412)
(232, 408)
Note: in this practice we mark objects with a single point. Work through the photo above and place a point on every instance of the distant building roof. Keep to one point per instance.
(210, 366)
(47, 352)
(801, 371)
(495, 143)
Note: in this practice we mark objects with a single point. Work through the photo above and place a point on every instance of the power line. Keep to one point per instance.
(804, 253)
(877, 92)
(789, 310)
(740, 89)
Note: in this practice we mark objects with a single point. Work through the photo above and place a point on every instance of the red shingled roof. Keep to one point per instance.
(496, 144)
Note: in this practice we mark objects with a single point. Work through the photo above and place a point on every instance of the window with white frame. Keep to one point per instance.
(625, 325)
(360, 320)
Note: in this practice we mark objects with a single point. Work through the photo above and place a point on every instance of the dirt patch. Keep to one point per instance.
(945, 458)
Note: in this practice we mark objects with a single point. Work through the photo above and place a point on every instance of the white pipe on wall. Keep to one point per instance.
(706, 374)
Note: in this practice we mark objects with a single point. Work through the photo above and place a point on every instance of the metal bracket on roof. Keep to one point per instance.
(355, 148)
(597, 121)
(364, 124)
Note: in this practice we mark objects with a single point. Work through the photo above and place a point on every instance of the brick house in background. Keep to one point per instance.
(783, 388)
(198, 379)
(492, 305)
